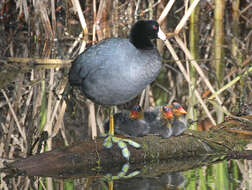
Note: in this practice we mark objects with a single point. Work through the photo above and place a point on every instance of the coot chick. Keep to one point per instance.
(179, 123)
(162, 125)
(152, 114)
(130, 123)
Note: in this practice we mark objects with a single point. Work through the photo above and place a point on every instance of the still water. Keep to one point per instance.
(221, 175)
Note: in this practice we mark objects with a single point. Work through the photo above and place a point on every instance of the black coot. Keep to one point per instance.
(116, 70)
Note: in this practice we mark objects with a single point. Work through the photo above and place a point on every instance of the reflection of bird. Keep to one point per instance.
(139, 183)
(173, 179)
(116, 70)
(179, 123)
(162, 124)
(130, 123)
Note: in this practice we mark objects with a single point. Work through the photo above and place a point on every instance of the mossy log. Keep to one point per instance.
(91, 156)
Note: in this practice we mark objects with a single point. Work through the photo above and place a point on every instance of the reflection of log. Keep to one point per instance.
(91, 156)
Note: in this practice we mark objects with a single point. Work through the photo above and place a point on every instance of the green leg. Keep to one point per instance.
(121, 143)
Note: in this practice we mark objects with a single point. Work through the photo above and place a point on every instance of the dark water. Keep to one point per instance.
(232, 175)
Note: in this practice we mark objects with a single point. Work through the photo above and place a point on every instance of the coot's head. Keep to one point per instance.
(167, 112)
(143, 31)
(178, 110)
(136, 112)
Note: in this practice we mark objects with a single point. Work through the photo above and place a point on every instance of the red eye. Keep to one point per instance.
(166, 109)
(154, 27)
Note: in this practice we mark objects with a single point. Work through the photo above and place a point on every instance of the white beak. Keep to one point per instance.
(161, 34)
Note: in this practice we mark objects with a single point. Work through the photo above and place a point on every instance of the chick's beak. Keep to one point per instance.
(133, 114)
(181, 110)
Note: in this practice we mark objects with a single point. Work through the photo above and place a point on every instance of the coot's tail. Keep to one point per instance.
(74, 75)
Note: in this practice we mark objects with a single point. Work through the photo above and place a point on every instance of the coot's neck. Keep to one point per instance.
(140, 41)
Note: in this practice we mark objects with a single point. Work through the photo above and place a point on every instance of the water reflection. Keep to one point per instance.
(122, 173)
(226, 175)
(131, 181)
(167, 180)
(231, 175)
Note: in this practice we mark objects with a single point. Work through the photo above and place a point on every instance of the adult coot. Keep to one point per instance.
(116, 70)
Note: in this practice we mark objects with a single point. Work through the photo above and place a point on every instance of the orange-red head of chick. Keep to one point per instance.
(137, 112)
(167, 112)
(177, 109)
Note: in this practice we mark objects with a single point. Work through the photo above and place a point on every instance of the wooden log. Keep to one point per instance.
(91, 157)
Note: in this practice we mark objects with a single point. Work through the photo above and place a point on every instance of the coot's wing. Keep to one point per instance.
(91, 59)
